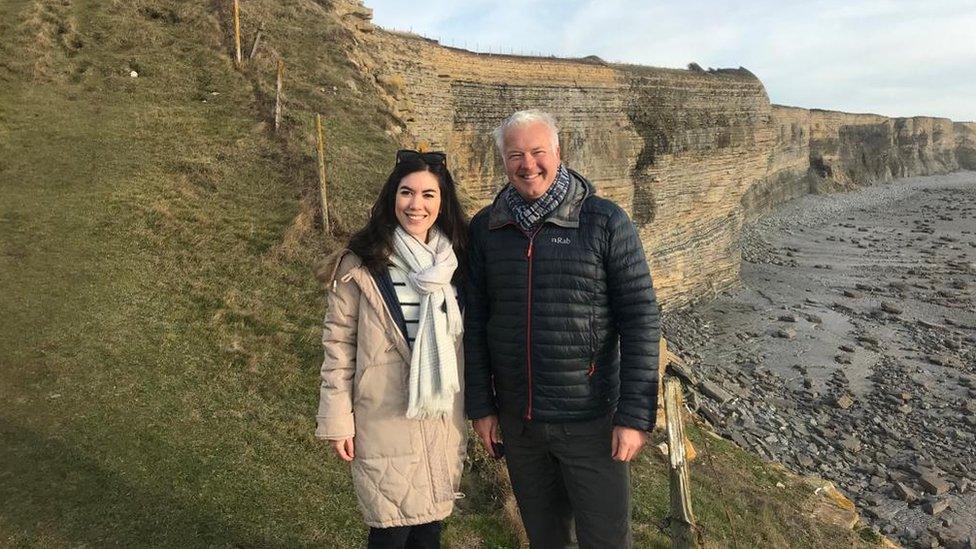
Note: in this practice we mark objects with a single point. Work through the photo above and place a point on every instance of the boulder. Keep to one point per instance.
(935, 506)
(714, 391)
(932, 483)
(905, 493)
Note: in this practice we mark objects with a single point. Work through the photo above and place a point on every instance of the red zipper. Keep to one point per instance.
(528, 321)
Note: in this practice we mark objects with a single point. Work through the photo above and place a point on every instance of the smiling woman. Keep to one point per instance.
(418, 201)
(390, 397)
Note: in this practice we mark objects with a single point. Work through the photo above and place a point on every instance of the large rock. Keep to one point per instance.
(715, 392)
(932, 483)
(905, 493)
(957, 538)
(935, 506)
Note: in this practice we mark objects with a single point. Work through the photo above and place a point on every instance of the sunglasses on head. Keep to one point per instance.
(434, 158)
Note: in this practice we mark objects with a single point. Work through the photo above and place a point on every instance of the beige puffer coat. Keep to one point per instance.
(405, 471)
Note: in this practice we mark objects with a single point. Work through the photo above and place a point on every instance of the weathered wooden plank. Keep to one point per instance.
(238, 60)
(279, 83)
(320, 145)
(683, 534)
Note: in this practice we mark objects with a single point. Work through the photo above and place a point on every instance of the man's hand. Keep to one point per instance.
(627, 442)
(487, 430)
(344, 448)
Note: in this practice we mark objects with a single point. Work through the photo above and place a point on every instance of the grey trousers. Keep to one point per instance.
(563, 473)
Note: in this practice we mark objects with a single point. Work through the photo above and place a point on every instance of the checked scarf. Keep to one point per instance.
(433, 379)
(529, 215)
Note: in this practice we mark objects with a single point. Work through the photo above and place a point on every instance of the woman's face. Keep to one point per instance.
(418, 201)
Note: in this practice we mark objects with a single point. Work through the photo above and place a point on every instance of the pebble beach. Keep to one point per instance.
(849, 351)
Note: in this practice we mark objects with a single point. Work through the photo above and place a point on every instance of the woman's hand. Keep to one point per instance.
(344, 448)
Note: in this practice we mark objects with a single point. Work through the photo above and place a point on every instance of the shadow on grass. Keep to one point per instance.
(52, 492)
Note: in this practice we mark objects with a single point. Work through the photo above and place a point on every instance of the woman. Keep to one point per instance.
(391, 393)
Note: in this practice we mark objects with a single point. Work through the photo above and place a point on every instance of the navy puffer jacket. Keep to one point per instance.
(561, 325)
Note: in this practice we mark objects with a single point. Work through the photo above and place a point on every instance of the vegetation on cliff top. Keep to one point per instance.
(160, 322)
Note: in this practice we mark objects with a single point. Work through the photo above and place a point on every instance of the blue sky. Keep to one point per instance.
(891, 57)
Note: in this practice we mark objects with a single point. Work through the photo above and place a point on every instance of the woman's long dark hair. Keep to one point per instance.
(374, 242)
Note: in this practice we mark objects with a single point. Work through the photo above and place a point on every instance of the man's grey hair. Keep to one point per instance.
(524, 118)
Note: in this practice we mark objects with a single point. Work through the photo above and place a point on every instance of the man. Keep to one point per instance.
(561, 342)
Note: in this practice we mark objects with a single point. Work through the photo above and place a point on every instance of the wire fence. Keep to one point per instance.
(493, 48)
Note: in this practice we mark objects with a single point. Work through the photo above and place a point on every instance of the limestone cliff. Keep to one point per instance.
(817, 150)
(691, 154)
(965, 144)
(865, 148)
(788, 163)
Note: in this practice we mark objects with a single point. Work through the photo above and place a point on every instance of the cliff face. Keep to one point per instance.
(965, 144)
(689, 154)
(855, 148)
(675, 148)
(787, 166)
(818, 151)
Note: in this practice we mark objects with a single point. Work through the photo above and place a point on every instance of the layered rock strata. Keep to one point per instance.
(690, 154)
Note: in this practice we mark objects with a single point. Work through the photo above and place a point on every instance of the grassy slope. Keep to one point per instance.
(159, 322)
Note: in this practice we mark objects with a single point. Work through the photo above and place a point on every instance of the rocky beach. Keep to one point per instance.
(849, 352)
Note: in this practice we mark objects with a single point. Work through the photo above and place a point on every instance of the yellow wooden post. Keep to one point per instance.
(662, 366)
(254, 44)
(279, 83)
(238, 60)
(665, 358)
(683, 535)
(320, 140)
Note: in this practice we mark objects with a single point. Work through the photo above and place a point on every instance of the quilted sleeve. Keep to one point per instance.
(479, 398)
(335, 415)
(636, 315)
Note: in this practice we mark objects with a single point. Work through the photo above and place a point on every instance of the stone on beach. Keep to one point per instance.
(715, 392)
(872, 389)
(932, 483)
(934, 507)
(845, 401)
(785, 333)
(891, 308)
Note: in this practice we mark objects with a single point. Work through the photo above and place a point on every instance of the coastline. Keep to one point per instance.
(849, 351)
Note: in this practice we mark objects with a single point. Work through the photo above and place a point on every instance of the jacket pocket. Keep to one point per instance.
(379, 409)
(381, 385)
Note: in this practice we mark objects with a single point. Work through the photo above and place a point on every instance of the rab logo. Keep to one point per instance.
(560, 240)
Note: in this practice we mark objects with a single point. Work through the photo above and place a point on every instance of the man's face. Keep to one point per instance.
(531, 159)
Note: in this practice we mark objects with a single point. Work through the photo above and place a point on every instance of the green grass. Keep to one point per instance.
(159, 321)
(738, 500)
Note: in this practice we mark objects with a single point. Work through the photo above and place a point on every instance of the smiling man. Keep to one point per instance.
(561, 342)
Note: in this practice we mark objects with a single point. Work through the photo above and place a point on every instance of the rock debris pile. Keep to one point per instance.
(850, 352)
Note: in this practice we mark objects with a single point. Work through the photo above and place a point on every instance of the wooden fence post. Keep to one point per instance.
(254, 45)
(666, 358)
(683, 531)
(238, 60)
(320, 142)
(662, 367)
(278, 84)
